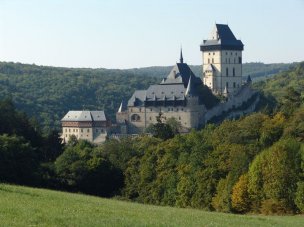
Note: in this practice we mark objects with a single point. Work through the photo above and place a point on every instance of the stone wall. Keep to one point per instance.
(234, 101)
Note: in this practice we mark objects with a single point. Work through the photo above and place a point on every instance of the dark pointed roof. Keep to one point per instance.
(222, 38)
(211, 68)
(123, 106)
(190, 89)
(249, 79)
(181, 60)
(180, 74)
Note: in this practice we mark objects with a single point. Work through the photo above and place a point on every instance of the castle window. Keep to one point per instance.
(227, 84)
(101, 130)
(231, 53)
(66, 130)
(234, 84)
(168, 109)
(139, 109)
(209, 53)
(96, 130)
(179, 118)
(212, 60)
(213, 53)
(151, 109)
(235, 53)
(150, 118)
(226, 71)
(234, 60)
(81, 130)
(182, 109)
(176, 109)
(233, 71)
(208, 61)
(88, 130)
(69, 130)
(226, 53)
(135, 117)
(240, 60)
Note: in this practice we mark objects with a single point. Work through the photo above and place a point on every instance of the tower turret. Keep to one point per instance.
(181, 60)
(223, 53)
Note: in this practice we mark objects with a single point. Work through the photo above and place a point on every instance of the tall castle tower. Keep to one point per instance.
(222, 61)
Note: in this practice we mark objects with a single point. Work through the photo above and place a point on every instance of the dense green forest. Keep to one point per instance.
(251, 165)
(47, 93)
(256, 70)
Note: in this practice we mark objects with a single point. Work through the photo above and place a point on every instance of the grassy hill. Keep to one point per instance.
(23, 206)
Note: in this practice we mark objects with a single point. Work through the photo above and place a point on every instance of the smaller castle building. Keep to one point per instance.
(89, 125)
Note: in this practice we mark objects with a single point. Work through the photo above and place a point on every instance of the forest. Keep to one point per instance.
(254, 164)
(47, 93)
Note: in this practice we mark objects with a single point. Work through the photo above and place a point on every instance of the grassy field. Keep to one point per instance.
(23, 206)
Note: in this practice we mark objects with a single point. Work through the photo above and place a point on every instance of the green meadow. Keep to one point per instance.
(24, 206)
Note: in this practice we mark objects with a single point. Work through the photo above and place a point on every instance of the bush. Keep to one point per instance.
(299, 200)
(273, 206)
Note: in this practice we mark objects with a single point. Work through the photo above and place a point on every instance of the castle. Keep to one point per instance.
(189, 99)
(192, 101)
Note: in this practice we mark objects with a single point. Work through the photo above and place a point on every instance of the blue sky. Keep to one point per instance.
(138, 33)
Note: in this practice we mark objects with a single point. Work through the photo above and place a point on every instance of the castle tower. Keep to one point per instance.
(222, 60)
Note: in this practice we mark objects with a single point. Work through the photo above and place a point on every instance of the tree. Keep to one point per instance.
(18, 160)
(82, 167)
(240, 199)
(174, 124)
(273, 176)
(299, 199)
(291, 101)
(160, 129)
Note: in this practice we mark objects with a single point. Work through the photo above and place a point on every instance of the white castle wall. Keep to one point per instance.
(234, 101)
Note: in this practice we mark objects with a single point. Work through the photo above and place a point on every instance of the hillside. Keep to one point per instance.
(292, 78)
(256, 70)
(23, 206)
(47, 93)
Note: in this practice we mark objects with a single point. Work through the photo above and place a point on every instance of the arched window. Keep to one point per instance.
(135, 117)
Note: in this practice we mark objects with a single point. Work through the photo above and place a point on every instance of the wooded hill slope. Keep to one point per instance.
(47, 93)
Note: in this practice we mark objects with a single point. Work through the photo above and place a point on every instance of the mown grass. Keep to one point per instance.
(24, 206)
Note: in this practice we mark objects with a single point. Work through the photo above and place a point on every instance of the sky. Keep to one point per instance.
(138, 33)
